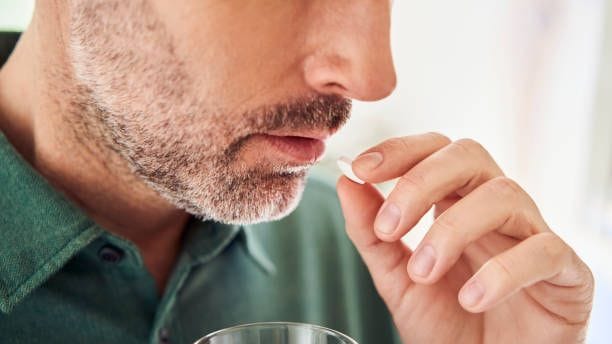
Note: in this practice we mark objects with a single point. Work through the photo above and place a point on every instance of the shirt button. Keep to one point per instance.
(164, 336)
(110, 254)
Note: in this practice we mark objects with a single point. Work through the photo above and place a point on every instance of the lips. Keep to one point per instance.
(299, 149)
(312, 134)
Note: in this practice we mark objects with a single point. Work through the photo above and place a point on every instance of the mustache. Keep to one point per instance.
(321, 112)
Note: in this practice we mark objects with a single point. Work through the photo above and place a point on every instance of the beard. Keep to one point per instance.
(144, 106)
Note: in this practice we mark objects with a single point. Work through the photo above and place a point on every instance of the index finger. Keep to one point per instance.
(399, 155)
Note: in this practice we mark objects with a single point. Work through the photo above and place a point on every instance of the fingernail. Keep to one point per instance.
(369, 161)
(472, 293)
(388, 218)
(423, 261)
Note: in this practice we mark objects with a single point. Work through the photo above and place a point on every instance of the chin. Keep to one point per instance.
(250, 201)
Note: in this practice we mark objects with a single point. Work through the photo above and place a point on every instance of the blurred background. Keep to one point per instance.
(530, 80)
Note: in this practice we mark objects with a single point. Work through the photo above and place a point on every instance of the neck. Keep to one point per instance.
(38, 116)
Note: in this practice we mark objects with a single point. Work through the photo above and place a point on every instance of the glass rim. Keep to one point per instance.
(278, 323)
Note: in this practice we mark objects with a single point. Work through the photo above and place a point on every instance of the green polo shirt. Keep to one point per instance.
(65, 279)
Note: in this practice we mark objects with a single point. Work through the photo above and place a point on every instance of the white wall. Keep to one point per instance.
(15, 14)
(517, 75)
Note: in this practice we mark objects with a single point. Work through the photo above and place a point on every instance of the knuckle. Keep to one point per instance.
(407, 143)
(435, 136)
(585, 278)
(448, 228)
(590, 279)
(476, 156)
(505, 187)
(470, 146)
(554, 249)
(357, 238)
(503, 268)
(413, 180)
(445, 223)
(395, 144)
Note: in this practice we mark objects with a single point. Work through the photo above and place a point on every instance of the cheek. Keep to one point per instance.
(125, 60)
(243, 55)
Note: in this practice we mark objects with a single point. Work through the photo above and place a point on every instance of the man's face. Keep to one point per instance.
(199, 96)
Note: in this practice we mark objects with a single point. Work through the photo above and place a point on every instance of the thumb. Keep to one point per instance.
(386, 261)
(360, 204)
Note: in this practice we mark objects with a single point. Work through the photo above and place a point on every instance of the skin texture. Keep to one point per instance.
(489, 270)
(185, 144)
(143, 113)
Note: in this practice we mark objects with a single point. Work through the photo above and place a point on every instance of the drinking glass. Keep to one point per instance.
(276, 333)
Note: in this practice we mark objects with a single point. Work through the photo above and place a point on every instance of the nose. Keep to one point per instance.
(349, 50)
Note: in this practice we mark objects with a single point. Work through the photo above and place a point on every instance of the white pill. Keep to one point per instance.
(345, 165)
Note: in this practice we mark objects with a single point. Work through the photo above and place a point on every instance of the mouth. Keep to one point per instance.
(301, 148)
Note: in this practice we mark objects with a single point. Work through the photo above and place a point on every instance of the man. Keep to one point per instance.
(149, 146)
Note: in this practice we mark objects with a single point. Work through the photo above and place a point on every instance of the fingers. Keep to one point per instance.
(456, 169)
(392, 158)
(359, 202)
(385, 261)
(498, 205)
(505, 274)
(475, 205)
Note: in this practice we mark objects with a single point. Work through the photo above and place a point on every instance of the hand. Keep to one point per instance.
(489, 270)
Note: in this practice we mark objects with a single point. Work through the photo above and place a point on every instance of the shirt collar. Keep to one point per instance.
(40, 229)
(205, 240)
